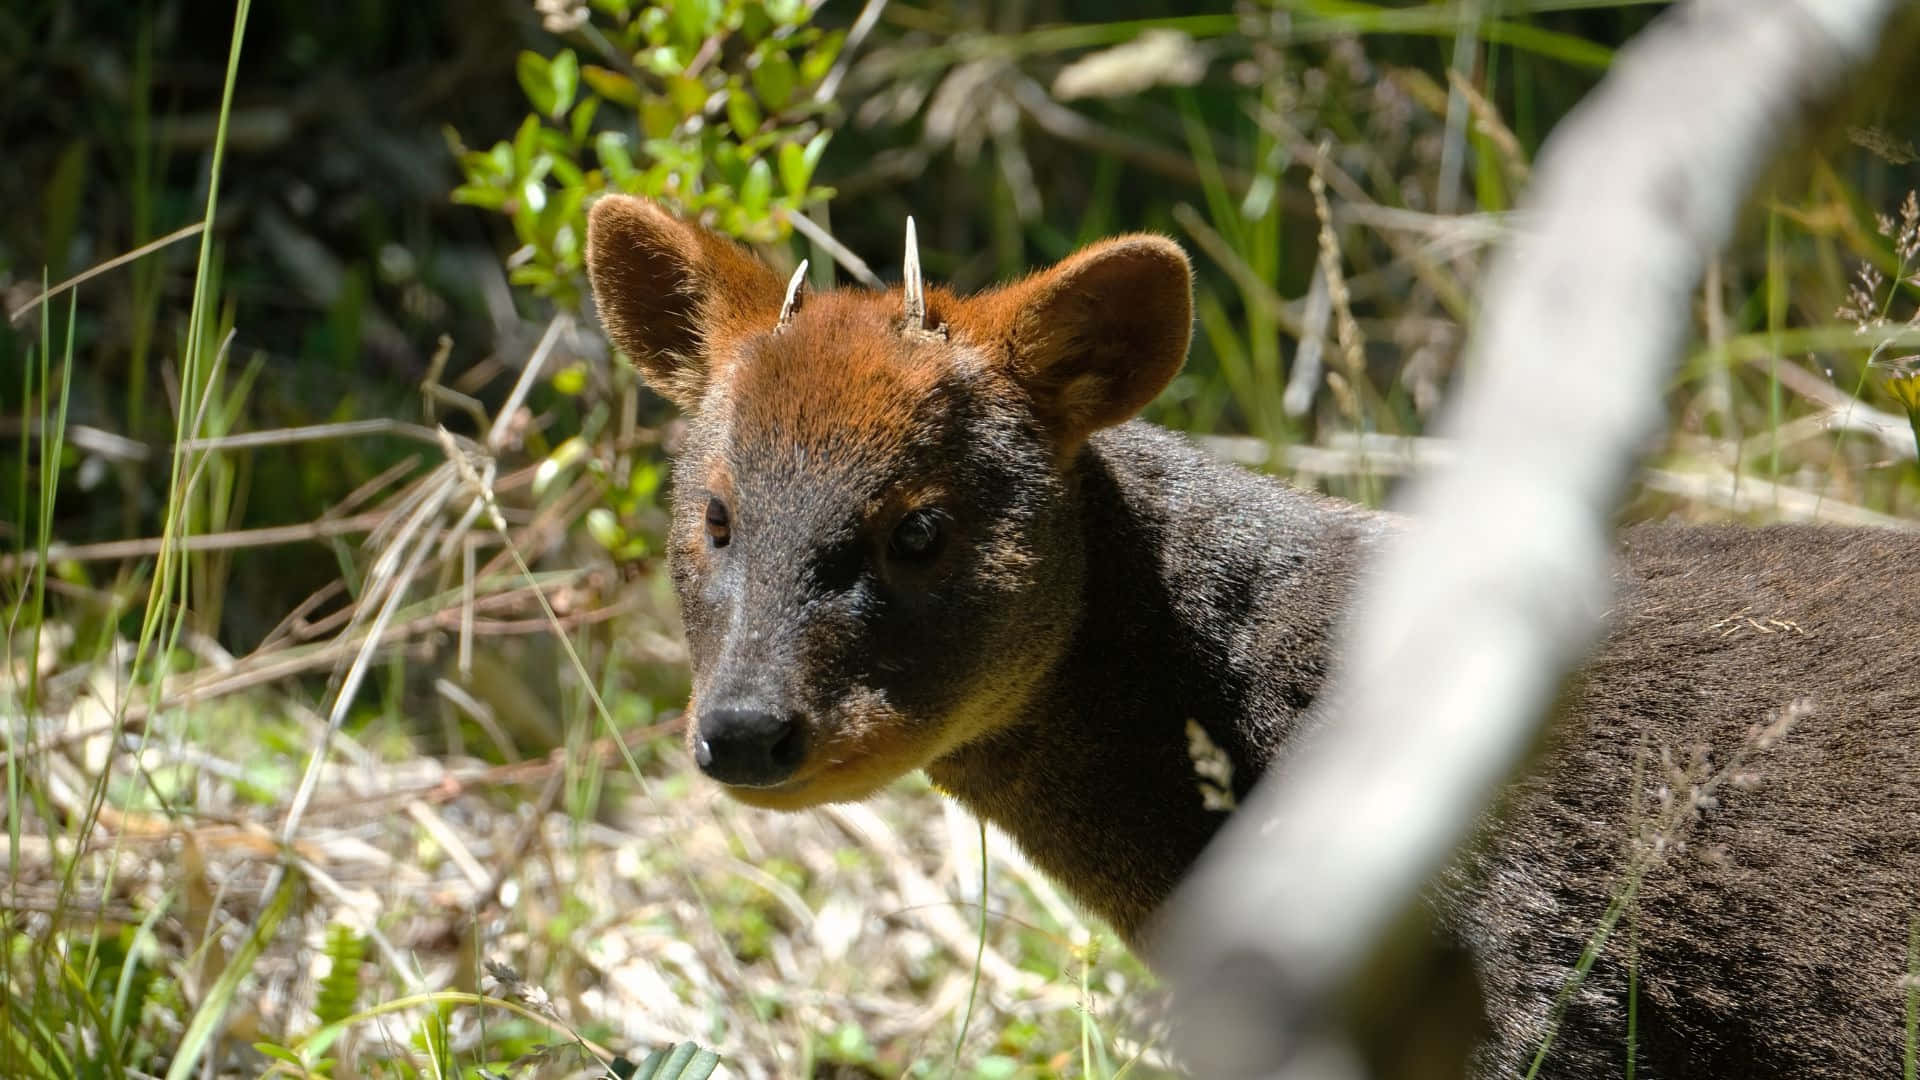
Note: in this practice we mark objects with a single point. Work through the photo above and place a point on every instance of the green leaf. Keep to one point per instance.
(688, 94)
(726, 160)
(664, 61)
(570, 380)
(774, 80)
(559, 221)
(644, 481)
(486, 198)
(567, 454)
(658, 118)
(816, 147)
(339, 989)
(794, 172)
(742, 112)
(612, 85)
(501, 158)
(567, 173)
(564, 75)
(583, 115)
(995, 1067)
(538, 278)
(605, 528)
(693, 20)
(536, 80)
(280, 1053)
(757, 189)
(533, 196)
(526, 144)
(819, 59)
(611, 148)
(682, 1061)
(752, 22)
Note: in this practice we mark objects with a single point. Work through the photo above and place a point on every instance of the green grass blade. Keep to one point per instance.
(213, 1009)
(125, 1015)
(169, 574)
(1441, 20)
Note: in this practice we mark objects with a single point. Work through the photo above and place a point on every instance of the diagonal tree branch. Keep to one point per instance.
(1477, 611)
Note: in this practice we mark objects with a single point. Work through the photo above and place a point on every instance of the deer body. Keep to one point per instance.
(918, 531)
(1187, 614)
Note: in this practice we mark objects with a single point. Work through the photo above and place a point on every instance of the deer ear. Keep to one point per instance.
(670, 294)
(1098, 336)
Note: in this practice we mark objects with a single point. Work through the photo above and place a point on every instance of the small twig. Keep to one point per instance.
(62, 740)
(366, 491)
(394, 587)
(400, 963)
(83, 437)
(504, 419)
(269, 536)
(1467, 229)
(295, 621)
(83, 276)
(456, 848)
(1487, 118)
(308, 433)
(1072, 126)
(1445, 288)
(862, 26)
(1744, 493)
(478, 628)
(1308, 359)
(1252, 286)
(1848, 412)
(843, 255)
(930, 905)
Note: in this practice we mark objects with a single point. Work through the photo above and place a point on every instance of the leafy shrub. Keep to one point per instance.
(710, 104)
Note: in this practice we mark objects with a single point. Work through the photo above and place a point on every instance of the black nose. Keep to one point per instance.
(750, 747)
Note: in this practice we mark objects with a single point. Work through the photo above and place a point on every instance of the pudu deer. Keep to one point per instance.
(917, 530)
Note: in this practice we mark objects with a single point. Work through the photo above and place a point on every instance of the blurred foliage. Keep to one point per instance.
(719, 98)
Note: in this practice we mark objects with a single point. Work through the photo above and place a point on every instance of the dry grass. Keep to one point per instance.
(657, 919)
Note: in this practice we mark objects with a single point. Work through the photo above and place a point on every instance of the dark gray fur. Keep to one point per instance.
(1771, 928)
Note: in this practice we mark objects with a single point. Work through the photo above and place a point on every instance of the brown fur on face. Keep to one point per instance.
(824, 433)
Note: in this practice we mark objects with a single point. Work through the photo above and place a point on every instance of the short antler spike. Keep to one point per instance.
(791, 305)
(915, 290)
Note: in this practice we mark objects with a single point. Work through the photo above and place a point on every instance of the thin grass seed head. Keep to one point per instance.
(1907, 244)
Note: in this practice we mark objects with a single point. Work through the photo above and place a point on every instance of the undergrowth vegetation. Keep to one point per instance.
(339, 681)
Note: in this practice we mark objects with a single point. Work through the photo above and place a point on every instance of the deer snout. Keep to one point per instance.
(747, 746)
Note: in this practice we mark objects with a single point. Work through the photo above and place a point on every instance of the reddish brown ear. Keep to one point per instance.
(670, 294)
(1098, 336)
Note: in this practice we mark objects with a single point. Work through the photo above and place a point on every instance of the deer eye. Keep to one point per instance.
(917, 537)
(719, 523)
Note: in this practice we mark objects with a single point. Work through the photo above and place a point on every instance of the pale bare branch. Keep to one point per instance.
(1478, 608)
